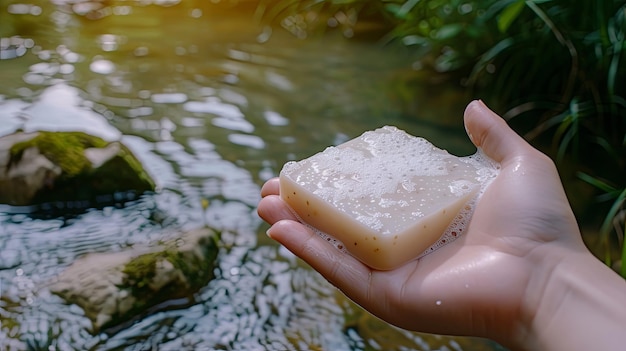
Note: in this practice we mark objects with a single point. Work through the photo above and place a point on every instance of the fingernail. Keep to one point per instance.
(483, 106)
(468, 133)
(267, 232)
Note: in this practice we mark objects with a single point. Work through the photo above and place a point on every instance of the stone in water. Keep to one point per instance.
(386, 196)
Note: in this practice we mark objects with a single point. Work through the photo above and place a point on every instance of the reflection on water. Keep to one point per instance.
(213, 103)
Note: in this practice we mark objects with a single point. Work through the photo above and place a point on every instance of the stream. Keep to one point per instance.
(213, 101)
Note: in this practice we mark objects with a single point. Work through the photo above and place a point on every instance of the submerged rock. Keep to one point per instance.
(112, 288)
(45, 167)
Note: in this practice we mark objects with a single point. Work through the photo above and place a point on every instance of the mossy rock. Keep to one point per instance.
(192, 264)
(58, 167)
(116, 288)
(176, 272)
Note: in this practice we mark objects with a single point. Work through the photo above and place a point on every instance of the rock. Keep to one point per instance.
(112, 288)
(46, 167)
(21, 180)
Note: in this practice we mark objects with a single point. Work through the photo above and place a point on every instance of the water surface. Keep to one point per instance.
(213, 102)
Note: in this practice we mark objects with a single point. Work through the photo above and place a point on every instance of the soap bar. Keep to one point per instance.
(386, 196)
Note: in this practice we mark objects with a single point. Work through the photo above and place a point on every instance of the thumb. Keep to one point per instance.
(490, 132)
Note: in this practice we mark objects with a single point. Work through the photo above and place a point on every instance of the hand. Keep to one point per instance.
(491, 281)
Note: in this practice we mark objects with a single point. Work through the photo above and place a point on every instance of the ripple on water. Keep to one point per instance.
(60, 108)
(262, 297)
(238, 124)
(102, 66)
(275, 118)
(268, 304)
(169, 98)
(214, 106)
(248, 140)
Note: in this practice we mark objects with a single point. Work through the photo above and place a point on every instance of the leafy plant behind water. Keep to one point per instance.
(554, 67)
(556, 70)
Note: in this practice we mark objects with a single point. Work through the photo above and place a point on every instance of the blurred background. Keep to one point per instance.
(215, 96)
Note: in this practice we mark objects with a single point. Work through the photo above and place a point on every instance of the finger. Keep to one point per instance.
(490, 132)
(273, 209)
(271, 187)
(339, 268)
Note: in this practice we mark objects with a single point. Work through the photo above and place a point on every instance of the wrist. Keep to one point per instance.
(574, 303)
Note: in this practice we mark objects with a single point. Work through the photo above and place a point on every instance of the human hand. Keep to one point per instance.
(489, 282)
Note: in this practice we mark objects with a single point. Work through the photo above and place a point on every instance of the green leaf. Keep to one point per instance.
(407, 7)
(600, 184)
(394, 9)
(414, 40)
(401, 11)
(509, 14)
(448, 31)
(611, 215)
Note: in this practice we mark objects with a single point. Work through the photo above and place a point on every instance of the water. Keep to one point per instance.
(214, 103)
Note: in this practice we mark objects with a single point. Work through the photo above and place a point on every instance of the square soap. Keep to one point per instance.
(386, 196)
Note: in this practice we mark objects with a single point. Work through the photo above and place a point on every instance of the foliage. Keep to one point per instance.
(454, 32)
(551, 67)
(555, 70)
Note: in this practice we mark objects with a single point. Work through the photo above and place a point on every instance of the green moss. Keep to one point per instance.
(8, 324)
(124, 167)
(64, 149)
(140, 271)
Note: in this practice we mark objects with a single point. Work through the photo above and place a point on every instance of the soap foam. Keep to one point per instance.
(488, 169)
(376, 156)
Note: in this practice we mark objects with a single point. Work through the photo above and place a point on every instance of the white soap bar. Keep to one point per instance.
(386, 196)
